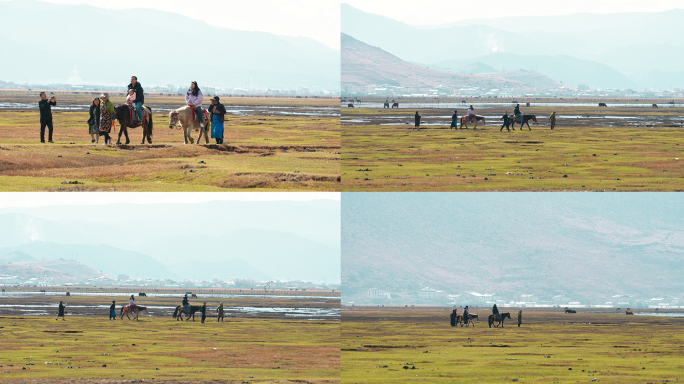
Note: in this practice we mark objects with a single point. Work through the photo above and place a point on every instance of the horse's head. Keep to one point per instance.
(173, 119)
(534, 118)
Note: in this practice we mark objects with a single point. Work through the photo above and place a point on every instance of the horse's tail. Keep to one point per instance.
(122, 308)
(175, 313)
(150, 122)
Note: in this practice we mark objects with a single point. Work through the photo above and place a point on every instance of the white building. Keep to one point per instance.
(429, 294)
(376, 293)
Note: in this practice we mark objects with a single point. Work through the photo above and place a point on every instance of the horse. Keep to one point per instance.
(525, 120)
(123, 116)
(385, 105)
(183, 117)
(629, 313)
(459, 320)
(395, 105)
(492, 319)
(142, 294)
(350, 105)
(478, 118)
(568, 310)
(180, 310)
(654, 106)
(126, 309)
(473, 316)
(603, 105)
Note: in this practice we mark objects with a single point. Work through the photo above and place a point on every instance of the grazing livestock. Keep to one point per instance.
(350, 105)
(603, 105)
(567, 310)
(629, 313)
(142, 294)
(395, 105)
(654, 106)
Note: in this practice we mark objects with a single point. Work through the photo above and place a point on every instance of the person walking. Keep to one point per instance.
(519, 318)
(107, 115)
(45, 106)
(203, 309)
(139, 98)
(417, 119)
(454, 119)
(112, 311)
(217, 113)
(94, 121)
(506, 122)
(552, 120)
(466, 316)
(453, 317)
(221, 314)
(194, 99)
(60, 312)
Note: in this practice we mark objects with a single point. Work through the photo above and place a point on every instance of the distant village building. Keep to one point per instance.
(430, 294)
(375, 293)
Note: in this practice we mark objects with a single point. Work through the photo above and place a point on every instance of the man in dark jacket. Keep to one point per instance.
(44, 105)
(204, 312)
(60, 313)
(139, 97)
(506, 122)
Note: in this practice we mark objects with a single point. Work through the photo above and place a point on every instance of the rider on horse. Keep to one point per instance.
(471, 113)
(139, 98)
(495, 312)
(194, 99)
(466, 315)
(131, 303)
(518, 114)
(186, 304)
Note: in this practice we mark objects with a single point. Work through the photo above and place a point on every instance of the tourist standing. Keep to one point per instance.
(45, 106)
(94, 121)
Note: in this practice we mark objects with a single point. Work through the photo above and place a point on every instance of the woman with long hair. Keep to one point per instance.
(94, 121)
(194, 100)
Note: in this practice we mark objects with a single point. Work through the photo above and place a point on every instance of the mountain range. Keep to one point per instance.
(598, 50)
(202, 252)
(510, 244)
(165, 48)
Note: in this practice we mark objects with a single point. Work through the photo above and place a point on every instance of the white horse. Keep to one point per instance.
(183, 117)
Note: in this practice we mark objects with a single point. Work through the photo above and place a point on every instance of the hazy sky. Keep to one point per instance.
(433, 12)
(37, 199)
(316, 19)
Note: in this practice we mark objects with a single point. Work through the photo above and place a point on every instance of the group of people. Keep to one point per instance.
(507, 119)
(132, 305)
(203, 309)
(466, 315)
(103, 114)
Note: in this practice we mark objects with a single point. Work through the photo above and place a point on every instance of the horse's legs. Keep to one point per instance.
(528, 126)
(128, 141)
(118, 140)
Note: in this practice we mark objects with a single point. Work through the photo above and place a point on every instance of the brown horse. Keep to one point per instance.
(395, 105)
(525, 120)
(500, 321)
(123, 116)
(126, 309)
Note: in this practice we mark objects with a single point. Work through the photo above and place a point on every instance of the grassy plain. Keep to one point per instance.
(263, 150)
(600, 151)
(549, 347)
(241, 350)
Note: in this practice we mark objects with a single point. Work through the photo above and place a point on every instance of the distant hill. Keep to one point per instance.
(55, 39)
(363, 65)
(20, 229)
(59, 271)
(108, 260)
(16, 256)
(593, 49)
(278, 255)
(567, 69)
(224, 270)
(590, 248)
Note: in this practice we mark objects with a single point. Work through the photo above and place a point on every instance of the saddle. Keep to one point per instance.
(205, 114)
(132, 111)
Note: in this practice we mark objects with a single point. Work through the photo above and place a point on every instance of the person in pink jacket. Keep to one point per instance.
(194, 100)
(130, 99)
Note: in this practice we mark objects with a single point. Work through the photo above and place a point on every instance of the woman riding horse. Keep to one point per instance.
(194, 99)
